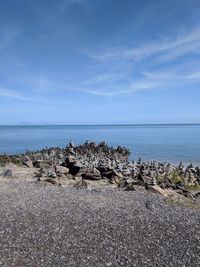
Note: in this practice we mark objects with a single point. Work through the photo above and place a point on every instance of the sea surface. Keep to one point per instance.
(165, 143)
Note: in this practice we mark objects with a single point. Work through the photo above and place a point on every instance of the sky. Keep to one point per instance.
(99, 61)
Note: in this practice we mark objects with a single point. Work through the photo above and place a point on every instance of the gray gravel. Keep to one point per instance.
(51, 226)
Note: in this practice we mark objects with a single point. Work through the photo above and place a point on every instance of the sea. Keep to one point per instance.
(171, 143)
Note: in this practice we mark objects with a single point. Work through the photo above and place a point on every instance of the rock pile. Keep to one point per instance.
(100, 162)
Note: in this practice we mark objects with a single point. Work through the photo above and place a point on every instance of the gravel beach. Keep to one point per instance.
(55, 226)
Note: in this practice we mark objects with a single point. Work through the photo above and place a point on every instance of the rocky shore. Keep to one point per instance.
(100, 164)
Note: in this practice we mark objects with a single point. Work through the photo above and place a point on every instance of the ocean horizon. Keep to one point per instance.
(161, 142)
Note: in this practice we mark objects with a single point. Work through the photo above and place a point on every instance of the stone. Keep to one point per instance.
(130, 187)
(70, 161)
(69, 176)
(149, 205)
(27, 162)
(81, 184)
(71, 144)
(61, 170)
(119, 174)
(157, 190)
(74, 169)
(52, 174)
(91, 176)
(51, 181)
(153, 181)
(7, 173)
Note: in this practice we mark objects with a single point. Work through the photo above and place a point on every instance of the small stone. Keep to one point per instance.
(149, 205)
(7, 173)
(80, 184)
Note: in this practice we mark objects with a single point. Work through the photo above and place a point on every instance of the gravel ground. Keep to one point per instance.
(51, 226)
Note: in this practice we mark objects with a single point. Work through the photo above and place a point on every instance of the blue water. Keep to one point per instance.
(171, 143)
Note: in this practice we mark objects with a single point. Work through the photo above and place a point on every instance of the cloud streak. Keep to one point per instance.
(166, 49)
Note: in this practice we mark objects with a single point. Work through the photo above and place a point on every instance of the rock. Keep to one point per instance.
(27, 162)
(102, 144)
(69, 176)
(7, 173)
(60, 170)
(93, 161)
(153, 181)
(52, 174)
(81, 184)
(149, 205)
(91, 176)
(157, 190)
(120, 175)
(196, 195)
(70, 161)
(51, 181)
(130, 187)
(71, 144)
(74, 169)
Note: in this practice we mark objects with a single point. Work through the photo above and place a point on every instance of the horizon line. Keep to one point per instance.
(119, 124)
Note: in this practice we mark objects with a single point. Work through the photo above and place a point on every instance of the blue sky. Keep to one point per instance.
(99, 61)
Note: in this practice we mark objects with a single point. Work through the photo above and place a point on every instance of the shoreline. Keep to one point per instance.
(104, 165)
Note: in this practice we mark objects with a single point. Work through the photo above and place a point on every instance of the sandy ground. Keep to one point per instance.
(55, 226)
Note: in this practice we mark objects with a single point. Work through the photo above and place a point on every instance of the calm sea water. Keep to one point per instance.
(171, 143)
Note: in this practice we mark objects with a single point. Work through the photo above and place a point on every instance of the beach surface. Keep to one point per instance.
(44, 225)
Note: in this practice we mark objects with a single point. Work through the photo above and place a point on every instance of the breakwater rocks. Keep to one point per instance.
(106, 165)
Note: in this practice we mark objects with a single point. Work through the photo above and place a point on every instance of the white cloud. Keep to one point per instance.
(166, 49)
(126, 90)
(11, 94)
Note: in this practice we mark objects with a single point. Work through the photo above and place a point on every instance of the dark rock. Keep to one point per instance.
(74, 169)
(7, 173)
(149, 205)
(51, 181)
(91, 176)
(130, 187)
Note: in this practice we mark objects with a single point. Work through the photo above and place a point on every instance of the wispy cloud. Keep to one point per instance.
(126, 90)
(148, 64)
(11, 94)
(166, 49)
